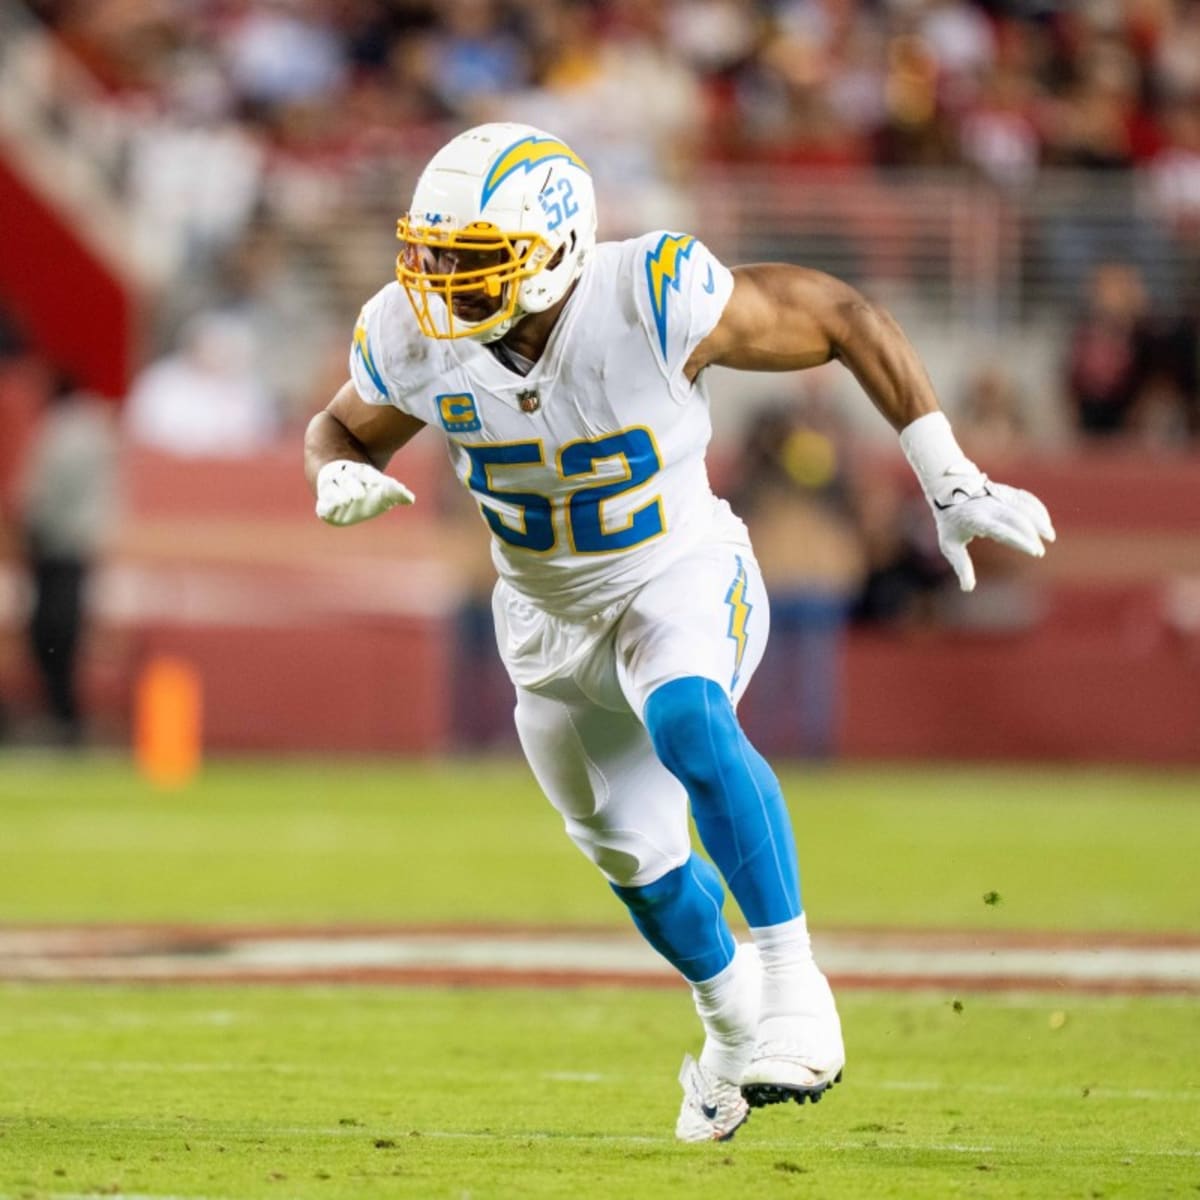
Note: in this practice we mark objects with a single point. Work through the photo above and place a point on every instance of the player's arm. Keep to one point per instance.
(346, 447)
(786, 318)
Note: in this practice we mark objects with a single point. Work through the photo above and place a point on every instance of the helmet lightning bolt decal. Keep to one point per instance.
(739, 617)
(662, 271)
(528, 153)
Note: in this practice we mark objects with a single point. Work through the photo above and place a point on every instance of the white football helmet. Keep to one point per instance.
(502, 221)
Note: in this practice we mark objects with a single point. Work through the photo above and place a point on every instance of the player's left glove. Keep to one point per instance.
(966, 503)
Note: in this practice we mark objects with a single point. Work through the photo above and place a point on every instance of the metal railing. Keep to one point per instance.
(966, 251)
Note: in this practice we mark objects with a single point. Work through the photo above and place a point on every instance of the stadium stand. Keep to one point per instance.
(973, 165)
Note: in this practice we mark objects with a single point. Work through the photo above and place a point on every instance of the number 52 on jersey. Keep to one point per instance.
(582, 506)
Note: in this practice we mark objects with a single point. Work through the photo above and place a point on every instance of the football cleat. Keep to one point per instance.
(713, 1108)
(799, 1054)
(790, 1078)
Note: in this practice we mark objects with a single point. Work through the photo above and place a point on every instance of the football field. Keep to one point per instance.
(446, 1001)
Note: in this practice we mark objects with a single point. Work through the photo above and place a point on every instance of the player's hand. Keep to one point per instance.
(971, 507)
(349, 492)
(966, 504)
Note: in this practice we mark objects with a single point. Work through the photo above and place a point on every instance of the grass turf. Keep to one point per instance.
(393, 842)
(365, 1093)
(350, 1093)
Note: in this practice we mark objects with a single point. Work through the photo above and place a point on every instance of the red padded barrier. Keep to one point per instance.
(315, 639)
(1117, 685)
(354, 685)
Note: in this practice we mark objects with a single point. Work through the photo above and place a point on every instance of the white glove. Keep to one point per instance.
(349, 492)
(966, 504)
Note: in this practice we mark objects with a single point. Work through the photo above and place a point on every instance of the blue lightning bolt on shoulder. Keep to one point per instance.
(663, 265)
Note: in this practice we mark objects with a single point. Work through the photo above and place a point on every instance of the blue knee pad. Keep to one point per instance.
(736, 800)
(680, 916)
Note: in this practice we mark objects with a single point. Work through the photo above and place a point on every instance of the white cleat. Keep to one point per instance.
(713, 1108)
(799, 1054)
(780, 1072)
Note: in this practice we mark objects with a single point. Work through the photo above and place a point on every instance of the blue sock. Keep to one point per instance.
(737, 802)
(680, 916)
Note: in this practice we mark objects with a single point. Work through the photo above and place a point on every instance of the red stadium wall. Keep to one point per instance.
(310, 639)
(68, 301)
(1056, 693)
(1110, 668)
(361, 685)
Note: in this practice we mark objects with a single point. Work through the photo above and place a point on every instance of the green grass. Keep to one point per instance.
(345, 1094)
(388, 842)
(362, 1093)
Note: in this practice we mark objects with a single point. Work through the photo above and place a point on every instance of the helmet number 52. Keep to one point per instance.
(561, 207)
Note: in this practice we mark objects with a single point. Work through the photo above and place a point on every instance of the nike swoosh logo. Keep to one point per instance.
(964, 494)
(709, 1111)
(708, 285)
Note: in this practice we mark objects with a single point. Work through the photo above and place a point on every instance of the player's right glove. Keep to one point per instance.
(349, 492)
(966, 503)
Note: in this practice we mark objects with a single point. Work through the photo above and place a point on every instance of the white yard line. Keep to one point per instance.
(885, 960)
(134, 1067)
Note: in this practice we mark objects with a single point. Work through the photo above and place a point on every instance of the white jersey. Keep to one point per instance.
(589, 470)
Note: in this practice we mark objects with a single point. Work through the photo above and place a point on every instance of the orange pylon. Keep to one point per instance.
(168, 721)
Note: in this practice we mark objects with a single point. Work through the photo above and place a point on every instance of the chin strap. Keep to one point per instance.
(493, 334)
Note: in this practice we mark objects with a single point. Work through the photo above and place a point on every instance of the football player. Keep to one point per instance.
(568, 380)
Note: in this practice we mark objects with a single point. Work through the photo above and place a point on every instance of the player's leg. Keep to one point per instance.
(688, 646)
(742, 820)
(628, 814)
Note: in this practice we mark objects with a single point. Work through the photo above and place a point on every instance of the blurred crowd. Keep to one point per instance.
(268, 143)
(292, 105)
(1005, 85)
(1132, 368)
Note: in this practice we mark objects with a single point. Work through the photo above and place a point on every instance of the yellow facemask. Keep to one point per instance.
(479, 268)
